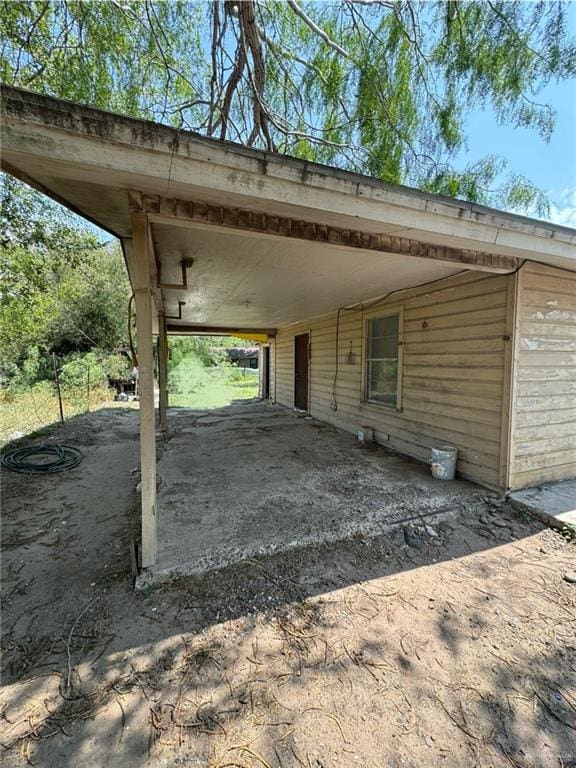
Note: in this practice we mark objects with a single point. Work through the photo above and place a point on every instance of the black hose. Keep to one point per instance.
(60, 459)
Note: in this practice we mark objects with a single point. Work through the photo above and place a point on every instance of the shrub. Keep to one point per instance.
(117, 366)
(80, 371)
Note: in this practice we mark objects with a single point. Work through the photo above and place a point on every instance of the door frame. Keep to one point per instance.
(305, 391)
(266, 372)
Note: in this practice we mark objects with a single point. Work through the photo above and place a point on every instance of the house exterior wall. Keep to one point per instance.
(543, 429)
(456, 357)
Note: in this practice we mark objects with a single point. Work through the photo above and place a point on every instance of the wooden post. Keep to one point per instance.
(143, 302)
(88, 387)
(163, 372)
(57, 380)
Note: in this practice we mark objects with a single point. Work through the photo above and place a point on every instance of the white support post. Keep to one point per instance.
(143, 301)
(163, 372)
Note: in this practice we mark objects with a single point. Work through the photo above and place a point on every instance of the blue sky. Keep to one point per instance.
(550, 166)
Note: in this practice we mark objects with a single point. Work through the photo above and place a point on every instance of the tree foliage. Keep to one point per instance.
(61, 290)
(38, 238)
(381, 87)
(207, 350)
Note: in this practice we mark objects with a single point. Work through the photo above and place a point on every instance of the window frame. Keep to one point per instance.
(375, 315)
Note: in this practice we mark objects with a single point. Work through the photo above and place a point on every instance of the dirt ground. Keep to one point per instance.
(448, 646)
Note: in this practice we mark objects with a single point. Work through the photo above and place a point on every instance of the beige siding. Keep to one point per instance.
(544, 422)
(454, 382)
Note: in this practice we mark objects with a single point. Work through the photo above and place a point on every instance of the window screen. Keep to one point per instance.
(382, 360)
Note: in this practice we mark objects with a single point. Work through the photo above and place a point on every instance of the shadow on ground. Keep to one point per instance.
(452, 646)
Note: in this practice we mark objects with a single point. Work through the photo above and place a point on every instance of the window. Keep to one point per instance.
(382, 367)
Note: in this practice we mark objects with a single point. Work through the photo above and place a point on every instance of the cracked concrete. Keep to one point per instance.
(255, 478)
(553, 503)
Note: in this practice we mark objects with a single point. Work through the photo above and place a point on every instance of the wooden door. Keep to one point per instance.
(301, 371)
(266, 373)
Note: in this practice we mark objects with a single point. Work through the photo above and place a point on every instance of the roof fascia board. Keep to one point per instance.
(216, 330)
(197, 215)
(33, 124)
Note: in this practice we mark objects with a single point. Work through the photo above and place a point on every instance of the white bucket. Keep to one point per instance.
(444, 462)
(365, 435)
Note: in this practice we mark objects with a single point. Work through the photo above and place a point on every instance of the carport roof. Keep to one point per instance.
(313, 238)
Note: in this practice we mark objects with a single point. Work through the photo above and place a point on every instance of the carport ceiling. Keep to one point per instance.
(252, 281)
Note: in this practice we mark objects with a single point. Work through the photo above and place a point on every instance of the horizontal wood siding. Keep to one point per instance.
(544, 422)
(453, 379)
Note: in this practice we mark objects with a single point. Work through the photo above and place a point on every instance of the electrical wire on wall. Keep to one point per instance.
(375, 302)
(334, 403)
(130, 338)
(362, 306)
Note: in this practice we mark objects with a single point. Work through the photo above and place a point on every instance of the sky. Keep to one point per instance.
(550, 166)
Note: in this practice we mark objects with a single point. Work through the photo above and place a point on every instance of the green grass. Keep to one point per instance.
(31, 410)
(192, 385)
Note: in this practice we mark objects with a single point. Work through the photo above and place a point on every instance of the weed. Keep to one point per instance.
(569, 532)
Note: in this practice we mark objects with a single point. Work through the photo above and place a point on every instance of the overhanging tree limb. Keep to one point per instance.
(316, 29)
(373, 86)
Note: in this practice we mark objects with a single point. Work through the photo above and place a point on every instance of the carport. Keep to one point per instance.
(219, 238)
(255, 479)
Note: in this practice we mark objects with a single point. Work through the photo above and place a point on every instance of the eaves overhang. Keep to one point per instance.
(67, 149)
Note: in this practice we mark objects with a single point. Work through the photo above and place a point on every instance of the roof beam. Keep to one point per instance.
(195, 213)
(214, 330)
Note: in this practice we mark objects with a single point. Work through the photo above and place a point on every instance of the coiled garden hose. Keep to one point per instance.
(48, 459)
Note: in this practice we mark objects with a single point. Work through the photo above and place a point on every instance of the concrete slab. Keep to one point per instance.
(254, 478)
(553, 503)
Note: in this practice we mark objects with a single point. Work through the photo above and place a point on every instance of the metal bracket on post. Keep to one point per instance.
(162, 372)
(185, 265)
(179, 315)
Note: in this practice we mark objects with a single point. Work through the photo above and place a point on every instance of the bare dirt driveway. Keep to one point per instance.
(449, 641)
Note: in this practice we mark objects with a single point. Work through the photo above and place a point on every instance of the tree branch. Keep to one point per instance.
(316, 29)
